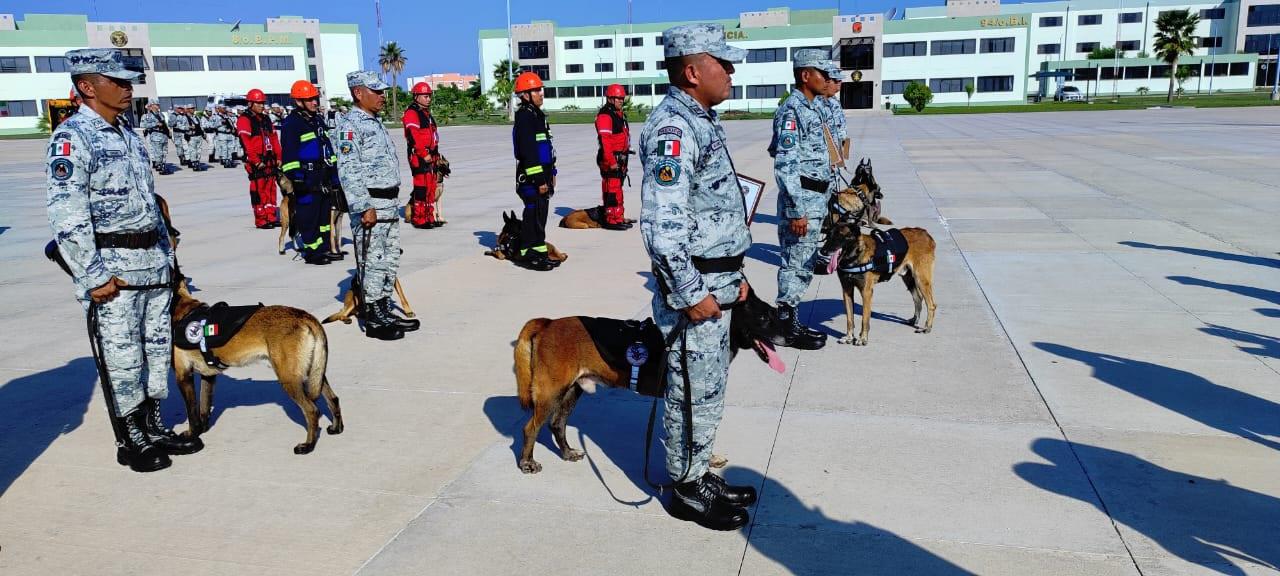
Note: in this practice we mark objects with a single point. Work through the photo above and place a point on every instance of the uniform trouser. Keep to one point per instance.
(262, 195)
(180, 146)
(158, 146)
(611, 191)
(422, 203)
(195, 149)
(222, 147)
(381, 262)
(797, 252)
(708, 365)
(311, 215)
(135, 335)
(533, 223)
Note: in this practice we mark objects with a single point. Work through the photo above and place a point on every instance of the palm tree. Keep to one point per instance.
(503, 72)
(1175, 36)
(392, 61)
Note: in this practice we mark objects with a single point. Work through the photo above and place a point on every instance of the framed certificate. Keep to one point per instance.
(752, 191)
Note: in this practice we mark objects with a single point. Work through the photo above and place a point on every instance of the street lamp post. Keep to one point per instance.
(511, 110)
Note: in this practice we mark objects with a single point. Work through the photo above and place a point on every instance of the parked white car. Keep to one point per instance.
(1070, 94)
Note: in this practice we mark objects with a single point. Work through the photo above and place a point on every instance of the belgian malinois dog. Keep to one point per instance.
(508, 246)
(556, 361)
(856, 251)
(291, 340)
(864, 193)
(586, 219)
(351, 303)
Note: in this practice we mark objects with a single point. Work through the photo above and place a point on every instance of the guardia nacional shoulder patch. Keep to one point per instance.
(61, 169)
(666, 172)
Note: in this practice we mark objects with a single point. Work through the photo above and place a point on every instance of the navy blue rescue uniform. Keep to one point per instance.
(535, 166)
(311, 165)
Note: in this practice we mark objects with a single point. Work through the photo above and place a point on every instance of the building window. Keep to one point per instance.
(858, 56)
(1239, 69)
(1130, 17)
(1086, 73)
(1253, 44)
(1128, 45)
(1110, 73)
(1160, 71)
(1087, 47)
(632, 42)
(1213, 13)
(572, 68)
(736, 93)
(572, 44)
(179, 63)
(313, 74)
(604, 43)
(51, 64)
(661, 88)
(1136, 72)
(542, 70)
(311, 47)
(1089, 19)
(644, 89)
(634, 66)
(945, 85)
(767, 91)
(657, 41)
(1049, 49)
(548, 92)
(604, 66)
(532, 50)
(15, 65)
(11, 108)
(660, 65)
(898, 86)
(563, 91)
(897, 49)
(1210, 41)
(1264, 15)
(995, 45)
(586, 91)
(795, 49)
(762, 55)
(275, 62)
(950, 47)
(230, 63)
(1050, 21)
(995, 84)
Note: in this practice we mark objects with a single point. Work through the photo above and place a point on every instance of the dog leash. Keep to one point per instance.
(92, 325)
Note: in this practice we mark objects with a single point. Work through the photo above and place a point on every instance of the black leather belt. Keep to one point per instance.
(385, 193)
(134, 240)
(814, 185)
(721, 264)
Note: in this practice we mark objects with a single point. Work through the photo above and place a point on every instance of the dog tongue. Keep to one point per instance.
(771, 356)
(835, 262)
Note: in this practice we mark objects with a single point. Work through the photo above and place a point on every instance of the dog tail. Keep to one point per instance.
(524, 359)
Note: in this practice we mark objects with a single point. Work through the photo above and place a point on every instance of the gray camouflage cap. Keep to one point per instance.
(689, 39)
(833, 70)
(811, 58)
(366, 78)
(108, 62)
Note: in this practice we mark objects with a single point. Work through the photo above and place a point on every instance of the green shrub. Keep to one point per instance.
(917, 95)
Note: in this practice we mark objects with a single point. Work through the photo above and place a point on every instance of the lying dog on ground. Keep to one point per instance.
(862, 260)
(557, 360)
(587, 219)
(508, 246)
(351, 303)
(291, 340)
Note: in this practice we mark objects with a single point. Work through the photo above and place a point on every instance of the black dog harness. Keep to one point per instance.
(890, 253)
(208, 328)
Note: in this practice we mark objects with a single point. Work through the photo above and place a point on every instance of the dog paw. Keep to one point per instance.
(530, 466)
(572, 455)
(333, 429)
(848, 340)
(924, 330)
(304, 448)
(346, 320)
(718, 461)
(861, 341)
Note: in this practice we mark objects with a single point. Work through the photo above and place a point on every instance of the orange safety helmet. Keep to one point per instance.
(421, 88)
(303, 90)
(256, 95)
(615, 91)
(527, 81)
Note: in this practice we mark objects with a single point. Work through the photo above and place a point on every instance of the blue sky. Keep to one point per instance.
(438, 36)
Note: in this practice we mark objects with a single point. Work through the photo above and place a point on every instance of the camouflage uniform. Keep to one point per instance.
(100, 182)
(196, 142)
(802, 168)
(177, 119)
(154, 127)
(691, 207)
(367, 160)
(211, 124)
(226, 136)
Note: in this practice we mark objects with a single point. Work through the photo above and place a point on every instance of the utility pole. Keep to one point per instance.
(511, 110)
(1115, 57)
(631, 29)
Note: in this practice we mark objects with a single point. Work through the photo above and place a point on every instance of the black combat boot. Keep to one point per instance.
(335, 255)
(378, 326)
(164, 438)
(618, 226)
(793, 334)
(742, 496)
(698, 502)
(316, 258)
(136, 450)
(536, 261)
(406, 324)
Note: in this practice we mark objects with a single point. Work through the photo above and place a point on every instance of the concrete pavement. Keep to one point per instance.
(1100, 395)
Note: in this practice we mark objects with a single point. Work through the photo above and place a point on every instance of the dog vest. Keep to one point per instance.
(633, 347)
(890, 252)
(208, 328)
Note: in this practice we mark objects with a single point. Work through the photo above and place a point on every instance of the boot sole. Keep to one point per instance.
(125, 461)
(680, 511)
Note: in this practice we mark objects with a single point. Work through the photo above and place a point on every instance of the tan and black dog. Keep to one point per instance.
(859, 269)
(509, 241)
(586, 219)
(557, 360)
(291, 340)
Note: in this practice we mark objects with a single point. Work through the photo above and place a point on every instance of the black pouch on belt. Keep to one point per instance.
(385, 193)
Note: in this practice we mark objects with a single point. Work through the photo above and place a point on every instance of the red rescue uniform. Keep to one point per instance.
(262, 158)
(614, 136)
(423, 139)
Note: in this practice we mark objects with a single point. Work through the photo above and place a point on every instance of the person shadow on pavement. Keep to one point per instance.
(1215, 254)
(1220, 407)
(1205, 521)
(39, 408)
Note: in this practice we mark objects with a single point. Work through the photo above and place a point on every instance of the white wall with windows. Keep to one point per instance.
(24, 88)
(1070, 34)
(237, 74)
(992, 60)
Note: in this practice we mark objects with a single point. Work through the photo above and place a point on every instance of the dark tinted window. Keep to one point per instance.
(897, 86)
(631, 42)
(1086, 73)
(992, 45)
(1136, 72)
(995, 84)
(1087, 47)
(1266, 15)
(1239, 69)
(275, 62)
(531, 50)
(1130, 17)
(760, 55)
(15, 64)
(1210, 41)
(179, 63)
(1089, 19)
(1213, 13)
(1050, 21)
(1262, 43)
(604, 66)
(18, 108)
(230, 63)
(948, 47)
(586, 91)
(604, 43)
(564, 92)
(945, 85)
(572, 44)
(635, 66)
(311, 47)
(1128, 45)
(644, 89)
(1049, 49)
(51, 64)
(766, 91)
(572, 68)
(542, 70)
(736, 93)
(895, 49)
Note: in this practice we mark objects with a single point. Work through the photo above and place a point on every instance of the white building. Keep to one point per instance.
(183, 63)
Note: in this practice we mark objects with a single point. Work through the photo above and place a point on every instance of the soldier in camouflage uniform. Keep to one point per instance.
(179, 140)
(187, 130)
(210, 124)
(226, 137)
(694, 225)
(156, 132)
(802, 168)
(109, 231)
(369, 170)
